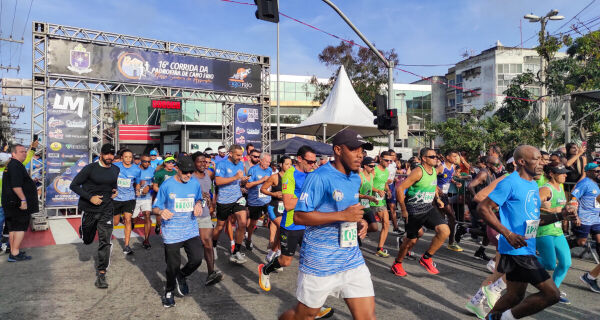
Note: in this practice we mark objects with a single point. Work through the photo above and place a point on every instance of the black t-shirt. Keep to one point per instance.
(95, 180)
(15, 176)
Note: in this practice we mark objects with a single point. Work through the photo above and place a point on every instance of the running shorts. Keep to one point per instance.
(121, 207)
(257, 212)
(584, 230)
(142, 205)
(204, 222)
(369, 216)
(224, 210)
(430, 220)
(526, 269)
(290, 240)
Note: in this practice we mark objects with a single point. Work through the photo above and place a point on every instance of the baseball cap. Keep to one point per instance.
(222, 149)
(591, 166)
(511, 160)
(169, 159)
(351, 139)
(185, 164)
(153, 153)
(107, 148)
(559, 169)
(4, 157)
(367, 161)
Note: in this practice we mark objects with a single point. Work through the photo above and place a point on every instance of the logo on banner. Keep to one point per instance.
(133, 66)
(76, 146)
(247, 115)
(53, 155)
(53, 123)
(62, 185)
(80, 60)
(240, 140)
(253, 131)
(56, 134)
(76, 124)
(239, 130)
(68, 104)
(237, 80)
(55, 146)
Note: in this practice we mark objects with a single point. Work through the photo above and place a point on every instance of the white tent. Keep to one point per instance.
(342, 109)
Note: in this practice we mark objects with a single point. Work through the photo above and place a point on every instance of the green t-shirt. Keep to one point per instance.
(419, 196)
(542, 181)
(366, 188)
(558, 200)
(161, 175)
(379, 182)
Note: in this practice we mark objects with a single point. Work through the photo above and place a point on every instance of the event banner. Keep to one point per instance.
(247, 125)
(67, 144)
(150, 67)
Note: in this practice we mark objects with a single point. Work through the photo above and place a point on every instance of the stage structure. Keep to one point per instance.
(78, 75)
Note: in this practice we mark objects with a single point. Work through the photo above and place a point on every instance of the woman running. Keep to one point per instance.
(272, 187)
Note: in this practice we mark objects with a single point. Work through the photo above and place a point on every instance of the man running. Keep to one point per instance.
(381, 189)
(445, 174)
(519, 201)
(143, 202)
(230, 202)
(331, 262)
(160, 176)
(419, 210)
(128, 185)
(179, 202)
(96, 185)
(391, 195)
(154, 159)
(257, 201)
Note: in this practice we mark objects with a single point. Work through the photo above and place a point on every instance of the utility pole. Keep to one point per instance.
(278, 106)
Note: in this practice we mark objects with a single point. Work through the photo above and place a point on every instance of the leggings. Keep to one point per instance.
(552, 248)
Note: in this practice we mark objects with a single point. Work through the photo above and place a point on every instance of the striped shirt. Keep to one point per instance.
(231, 192)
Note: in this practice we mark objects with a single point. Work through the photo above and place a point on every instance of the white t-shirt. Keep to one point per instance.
(392, 169)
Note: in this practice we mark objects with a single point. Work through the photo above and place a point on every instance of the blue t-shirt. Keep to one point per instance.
(255, 197)
(179, 198)
(128, 177)
(155, 163)
(519, 201)
(146, 175)
(231, 192)
(328, 190)
(586, 191)
(218, 158)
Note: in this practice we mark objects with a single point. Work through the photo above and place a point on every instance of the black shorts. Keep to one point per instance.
(369, 216)
(225, 210)
(445, 199)
(121, 207)
(257, 212)
(17, 221)
(522, 269)
(290, 240)
(430, 220)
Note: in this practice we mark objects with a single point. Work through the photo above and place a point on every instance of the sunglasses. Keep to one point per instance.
(431, 157)
(255, 157)
(170, 161)
(311, 161)
(371, 165)
(497, 165)
(187, 172)
(387, 160)
(145, 161)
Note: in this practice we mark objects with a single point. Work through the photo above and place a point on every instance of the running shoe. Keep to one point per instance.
(382, 253)
(249, 245)
(127, 250)
(593, 284)
(324, 313)
(429, 265)
(398, 270)
(157, 229)
(398, 231)
(168, 300)
(411, 255)
(263, 279)
(491, 265)
(181, 287)
(455, 247)
(238, 258)
(213, 278)
(101, 281)
(491, 295)
(269, 256)
(476, 309)
(19, 257)
(480, 254)
(494, 316)
(563, 298)
(460, 231)
(215, 253)
(146, 244)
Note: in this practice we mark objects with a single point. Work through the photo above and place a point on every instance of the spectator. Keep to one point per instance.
(576, 162)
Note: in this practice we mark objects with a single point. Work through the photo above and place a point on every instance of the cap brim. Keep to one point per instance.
(561, 171)
(356, 144)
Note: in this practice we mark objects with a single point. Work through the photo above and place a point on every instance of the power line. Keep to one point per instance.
(11, 34)
(575, 16)
(23, 34)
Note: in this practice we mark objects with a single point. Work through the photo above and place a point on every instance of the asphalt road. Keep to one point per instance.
(59, 284)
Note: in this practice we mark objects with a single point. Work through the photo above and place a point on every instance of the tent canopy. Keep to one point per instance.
(342, 109)
(291, 146)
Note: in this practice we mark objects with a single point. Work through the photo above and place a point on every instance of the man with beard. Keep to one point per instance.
(128, 186)
(96, 185)
(143, 201)
(257, 201)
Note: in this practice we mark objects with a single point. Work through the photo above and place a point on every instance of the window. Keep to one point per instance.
(459, 79)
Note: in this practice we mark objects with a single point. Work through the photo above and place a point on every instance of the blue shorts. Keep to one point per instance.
(392, 199)
(583, 230)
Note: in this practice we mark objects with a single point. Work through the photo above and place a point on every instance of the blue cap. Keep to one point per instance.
(153, 153)
(591, 166)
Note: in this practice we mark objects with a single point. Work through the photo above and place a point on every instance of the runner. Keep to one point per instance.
(515, 195)
(381, 188)
(257, 201)
(331, 262)
(155, 161)
(179, 202)
(445, 177)
(272, 187)
(160, 176)
(391, 195)
(96, 185)
(128, 185)
(367, 176)
(418, 209)
(143, 202)
(230, 202)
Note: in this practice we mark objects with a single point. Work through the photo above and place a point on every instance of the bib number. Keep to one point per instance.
(558, 224)
(280, 207)
(531, 229)
(242, 201)
(365, 203)
(184, 204)
(348, 235)
(378, 197)
(123, 182)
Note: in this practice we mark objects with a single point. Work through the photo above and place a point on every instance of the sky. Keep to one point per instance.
(434, 32)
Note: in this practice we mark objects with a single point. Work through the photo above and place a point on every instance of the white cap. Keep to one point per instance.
(4, 157)
(511, 160)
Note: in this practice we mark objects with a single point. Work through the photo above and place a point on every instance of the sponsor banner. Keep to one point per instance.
(67, 144)
(149, 67)
(248, 125)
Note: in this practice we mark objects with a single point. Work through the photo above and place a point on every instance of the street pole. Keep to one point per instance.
(567, 120)
(278, 111)
(388, 64)
(543, 74)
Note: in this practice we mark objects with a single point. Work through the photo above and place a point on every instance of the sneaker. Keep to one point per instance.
(411, 255)
(398, 270)
(181, 287)
(157, 231)
(146, 244)
(215, 253)
(399, 232)
(324, 313)
(168, 300)
(399, 241)
(249, 245)
(232, 248)
(269, 256)
(101, 281)
(480, 254)
(263, 279)
(19, 257)
(563, 298)
(213, 278)
(238, 258)
(3, 247)
(429, 265)
(476, 309)
(593, 284)
(491, 296)
(382, 253)
(455, 247)
(127, 250)
(460, 231)
(491, 265)
(494, 316)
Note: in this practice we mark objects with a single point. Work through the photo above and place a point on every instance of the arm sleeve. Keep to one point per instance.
(30, 154)
(312, 194)
(501, 193)
(80, 178)
(161, 198)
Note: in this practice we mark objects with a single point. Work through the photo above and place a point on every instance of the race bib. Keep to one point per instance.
(445, 188)
(242, 201)
(184, 204)
(378, 197)
(123, 182)
(348, 235)
(280, 207)
(558, 224)
(532, 228)
(365, 203)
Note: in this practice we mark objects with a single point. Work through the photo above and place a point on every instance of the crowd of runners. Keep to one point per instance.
(526, 208)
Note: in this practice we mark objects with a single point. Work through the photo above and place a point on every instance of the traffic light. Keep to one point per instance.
(267, 10)
(387, 119)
